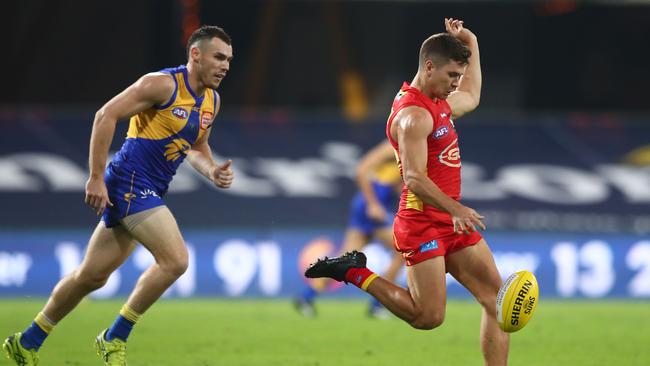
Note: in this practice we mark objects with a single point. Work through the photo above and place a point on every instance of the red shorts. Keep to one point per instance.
(419, 240)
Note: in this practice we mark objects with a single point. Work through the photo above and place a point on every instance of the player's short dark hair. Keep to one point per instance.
(207, 32)
(442, 47)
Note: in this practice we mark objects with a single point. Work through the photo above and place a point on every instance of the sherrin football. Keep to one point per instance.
(517, 300)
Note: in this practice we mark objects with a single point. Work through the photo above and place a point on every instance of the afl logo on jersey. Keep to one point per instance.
(180, 113)
(450, 156)
(441, 132)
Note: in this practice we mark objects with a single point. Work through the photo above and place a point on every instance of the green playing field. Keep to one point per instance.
(268, 332)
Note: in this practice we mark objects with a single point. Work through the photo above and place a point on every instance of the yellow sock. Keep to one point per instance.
(44, 322)
(130, 314)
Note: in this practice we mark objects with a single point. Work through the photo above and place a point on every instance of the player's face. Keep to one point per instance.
(214, 62)
(444, 80)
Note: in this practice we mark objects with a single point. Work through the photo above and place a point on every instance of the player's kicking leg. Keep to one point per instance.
(107, 250)
(422, 305)
(475, 269)
(159, 233)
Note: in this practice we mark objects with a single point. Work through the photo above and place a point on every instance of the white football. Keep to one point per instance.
(517, 300)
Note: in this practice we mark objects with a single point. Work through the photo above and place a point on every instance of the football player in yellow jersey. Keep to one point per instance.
(371, 217)
(171, 116)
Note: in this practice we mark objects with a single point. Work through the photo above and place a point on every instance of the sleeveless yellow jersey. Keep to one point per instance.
(158, 138)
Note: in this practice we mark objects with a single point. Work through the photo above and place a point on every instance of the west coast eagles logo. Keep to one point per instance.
(129, 196)
(450, 156)
(176, 149)
(206, 120)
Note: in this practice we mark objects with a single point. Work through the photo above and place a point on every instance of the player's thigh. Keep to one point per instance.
(427, 285)
(474, 268)
(354, 239)
(385, 236)
(107, 249)
(159, 233)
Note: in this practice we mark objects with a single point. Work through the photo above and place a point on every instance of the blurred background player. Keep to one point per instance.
(371, 217)
(434, 232)
(171, 112)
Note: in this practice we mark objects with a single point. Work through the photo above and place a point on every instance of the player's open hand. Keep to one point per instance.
(222, 175)
(455, 28)
(466, 220)
(97, 195)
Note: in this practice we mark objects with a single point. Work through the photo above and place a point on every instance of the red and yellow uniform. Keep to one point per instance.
(422, 231)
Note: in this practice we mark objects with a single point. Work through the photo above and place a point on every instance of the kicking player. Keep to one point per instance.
(379, 181)
(172, 112)
(434, 232)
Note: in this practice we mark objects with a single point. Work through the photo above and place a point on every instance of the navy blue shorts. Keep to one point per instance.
(359, 219)
(129, 192)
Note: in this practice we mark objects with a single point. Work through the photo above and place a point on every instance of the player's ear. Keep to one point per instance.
(429, 66)
(195, 52)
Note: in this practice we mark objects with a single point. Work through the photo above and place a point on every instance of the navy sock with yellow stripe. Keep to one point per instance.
(123, 324)
(34, 336)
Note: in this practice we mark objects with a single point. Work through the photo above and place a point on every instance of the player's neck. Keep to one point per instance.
(197, 86)
(419, 83)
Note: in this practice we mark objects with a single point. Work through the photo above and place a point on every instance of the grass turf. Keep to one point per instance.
(270, 332)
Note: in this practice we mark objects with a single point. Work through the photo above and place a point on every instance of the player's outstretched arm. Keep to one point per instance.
(366, 167)
(414, 127)
(149, 90)
(468, 95)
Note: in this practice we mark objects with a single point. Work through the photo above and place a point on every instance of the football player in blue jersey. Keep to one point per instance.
(171, 114)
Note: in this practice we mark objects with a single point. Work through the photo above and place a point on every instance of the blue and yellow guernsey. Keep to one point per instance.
(156, 144)
(158, 138)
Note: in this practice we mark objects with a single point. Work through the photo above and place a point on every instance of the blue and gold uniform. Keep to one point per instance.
(156, 144)
(386, 184)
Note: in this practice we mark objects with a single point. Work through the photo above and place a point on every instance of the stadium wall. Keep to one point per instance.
(565, 195)
(249, 263)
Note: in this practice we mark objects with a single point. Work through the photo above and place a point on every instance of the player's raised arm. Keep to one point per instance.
(200, 157)
(367, 165)
(150, 90)
(414, 127)
(468, 95)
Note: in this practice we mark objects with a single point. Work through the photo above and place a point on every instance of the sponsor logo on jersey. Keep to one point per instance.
(450, 156)
(180, 113)
(430, 245)
(441, 132)
(206, 120)
(148, 193)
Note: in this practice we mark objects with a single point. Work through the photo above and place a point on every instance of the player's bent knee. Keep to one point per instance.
(428, 321)
(176, 267)
(91, 280)
(488, 301)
